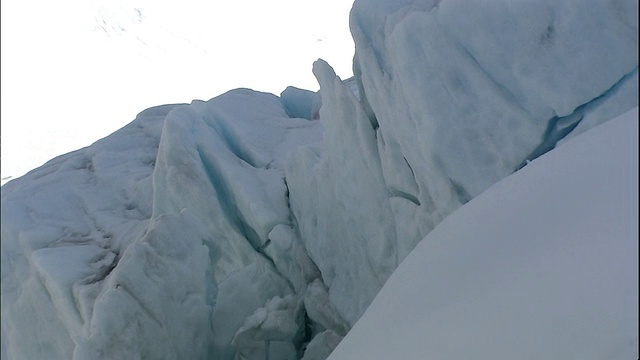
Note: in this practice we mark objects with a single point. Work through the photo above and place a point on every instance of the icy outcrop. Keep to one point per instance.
(452, 97)
(178, 221)
(497, 74)
(240, 227)
(300, 103)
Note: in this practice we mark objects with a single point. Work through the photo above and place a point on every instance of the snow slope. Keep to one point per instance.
(542, 265)
(243, 227)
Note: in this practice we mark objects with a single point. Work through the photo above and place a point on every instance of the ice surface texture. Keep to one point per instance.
(242, 228)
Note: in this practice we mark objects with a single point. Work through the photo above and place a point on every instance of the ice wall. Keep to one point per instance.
(482, 85)
(243, 228)
(452, 97)
(171, 238)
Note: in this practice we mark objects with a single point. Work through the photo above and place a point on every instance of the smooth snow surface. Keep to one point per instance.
(255, 226)
(543, 265)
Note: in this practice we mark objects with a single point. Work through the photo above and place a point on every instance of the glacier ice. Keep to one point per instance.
(253, 225)
(300, 103)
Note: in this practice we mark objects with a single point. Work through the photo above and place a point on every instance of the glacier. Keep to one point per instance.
(255, 226)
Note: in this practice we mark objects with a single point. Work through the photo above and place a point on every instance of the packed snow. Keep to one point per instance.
(255, 226)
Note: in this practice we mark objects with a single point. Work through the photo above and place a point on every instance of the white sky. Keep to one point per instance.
(69, 79)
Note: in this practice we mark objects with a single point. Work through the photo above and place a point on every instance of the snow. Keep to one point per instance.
(544, 264)
(256, 226)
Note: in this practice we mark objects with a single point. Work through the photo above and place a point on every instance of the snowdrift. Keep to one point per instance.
(544, 265)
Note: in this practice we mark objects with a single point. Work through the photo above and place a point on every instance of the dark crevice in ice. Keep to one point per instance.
(401, 194)
(462, 194)
(364, 101)
(105, 271)
(292, 217)
(557, 128)
(560, 127)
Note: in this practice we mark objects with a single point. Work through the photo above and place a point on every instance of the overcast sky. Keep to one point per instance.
(74, 71)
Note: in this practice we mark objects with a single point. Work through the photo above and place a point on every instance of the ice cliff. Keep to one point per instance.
(244, 228)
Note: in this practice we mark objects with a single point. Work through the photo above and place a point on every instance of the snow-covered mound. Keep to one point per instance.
(542, 265)
(242, 227)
